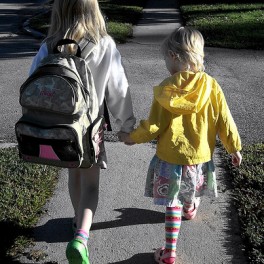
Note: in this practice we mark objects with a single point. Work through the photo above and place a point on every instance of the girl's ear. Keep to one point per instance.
(172, 55)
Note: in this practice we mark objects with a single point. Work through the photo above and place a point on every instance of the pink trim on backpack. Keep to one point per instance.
(47, 152)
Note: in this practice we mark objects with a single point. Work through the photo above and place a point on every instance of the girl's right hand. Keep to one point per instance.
(124, 137)
(236, 159)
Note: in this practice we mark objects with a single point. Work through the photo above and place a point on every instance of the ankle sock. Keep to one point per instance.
(82, 234)
(172, 227)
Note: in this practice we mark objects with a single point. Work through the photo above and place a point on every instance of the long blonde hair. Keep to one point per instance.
(187, 45)
(76, 19)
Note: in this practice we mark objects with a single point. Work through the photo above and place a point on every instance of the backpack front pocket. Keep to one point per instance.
(56, 146)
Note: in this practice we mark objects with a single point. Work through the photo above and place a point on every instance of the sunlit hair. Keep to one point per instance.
(76, 19)
(187, 45)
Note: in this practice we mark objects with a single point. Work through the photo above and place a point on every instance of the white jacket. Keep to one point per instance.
(110, 81)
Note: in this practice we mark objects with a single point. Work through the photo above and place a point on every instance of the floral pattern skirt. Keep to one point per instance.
(170, 183)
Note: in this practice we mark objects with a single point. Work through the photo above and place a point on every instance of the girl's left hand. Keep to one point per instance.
(236, 159)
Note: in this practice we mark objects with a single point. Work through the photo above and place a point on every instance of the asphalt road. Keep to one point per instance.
(127, 227)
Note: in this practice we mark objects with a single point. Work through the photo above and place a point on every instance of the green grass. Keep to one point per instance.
(227, 25)
(248, 186)
(120, 32)
(25, 189)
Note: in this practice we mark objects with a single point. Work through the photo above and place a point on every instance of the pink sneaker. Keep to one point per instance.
(163, 257)
(189, 215)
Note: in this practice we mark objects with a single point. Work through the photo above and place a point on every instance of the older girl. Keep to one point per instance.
(82, 20)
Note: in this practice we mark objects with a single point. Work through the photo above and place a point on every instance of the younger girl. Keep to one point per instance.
(82, 21)
(188, 111)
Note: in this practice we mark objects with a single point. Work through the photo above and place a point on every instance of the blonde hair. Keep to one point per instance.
(76, 19)
(187, 45)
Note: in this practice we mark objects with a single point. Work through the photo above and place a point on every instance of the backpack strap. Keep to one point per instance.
(107, 117)
(86, 46)
(63, 42)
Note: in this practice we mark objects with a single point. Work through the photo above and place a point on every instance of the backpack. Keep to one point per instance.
(60, 123)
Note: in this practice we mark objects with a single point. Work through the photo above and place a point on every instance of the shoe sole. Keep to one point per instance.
(74, 256)
(158, 255)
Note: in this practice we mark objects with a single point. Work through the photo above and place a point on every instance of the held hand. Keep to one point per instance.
(124, 137)
(236, 159)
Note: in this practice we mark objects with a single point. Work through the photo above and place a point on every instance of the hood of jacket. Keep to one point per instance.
(184, 92)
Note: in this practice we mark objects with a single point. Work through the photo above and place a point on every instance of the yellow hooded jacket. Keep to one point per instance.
(188, 111)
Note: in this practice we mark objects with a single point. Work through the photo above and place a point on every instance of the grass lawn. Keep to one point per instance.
(248, 186)
(25, 189)
(225, 23)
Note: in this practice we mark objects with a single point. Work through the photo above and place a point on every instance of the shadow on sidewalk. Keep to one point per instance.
(131, 216)
(141, 258)
(10, 231)
(60, 229)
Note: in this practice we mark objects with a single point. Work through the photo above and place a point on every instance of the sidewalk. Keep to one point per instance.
(159, 19)
(128, 227)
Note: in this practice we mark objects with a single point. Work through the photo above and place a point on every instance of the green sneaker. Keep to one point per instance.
(77, 252)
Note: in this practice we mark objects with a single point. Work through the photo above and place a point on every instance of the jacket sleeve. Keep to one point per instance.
(159, 119)
(227, 129)
(118, 95)
(42, 53)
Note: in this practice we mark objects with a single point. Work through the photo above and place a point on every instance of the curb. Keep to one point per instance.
(27, 28)
(26, 24)
(7, 145)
